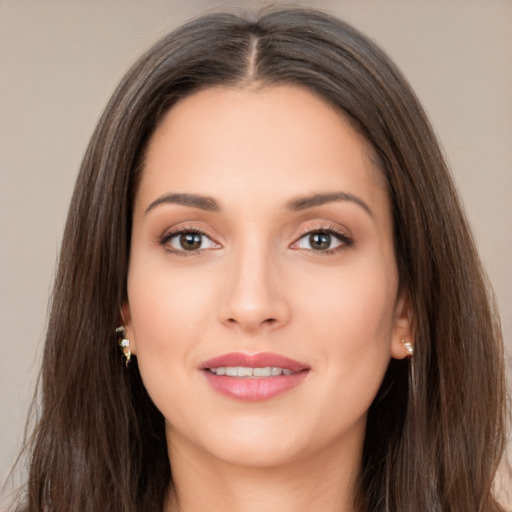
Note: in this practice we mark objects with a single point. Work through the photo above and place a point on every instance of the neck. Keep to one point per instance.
(323, 481)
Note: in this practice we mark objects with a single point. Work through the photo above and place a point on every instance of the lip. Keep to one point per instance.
(254, 389)
(258, 360)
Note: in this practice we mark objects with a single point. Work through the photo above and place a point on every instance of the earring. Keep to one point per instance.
(124, 344)
(408, 347)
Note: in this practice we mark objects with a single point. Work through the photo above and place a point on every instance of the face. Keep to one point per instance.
(263, 303)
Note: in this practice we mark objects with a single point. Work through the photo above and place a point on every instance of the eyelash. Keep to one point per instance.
(346, 241)
(164, 241)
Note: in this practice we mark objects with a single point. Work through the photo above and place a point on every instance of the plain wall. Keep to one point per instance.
(60, 61)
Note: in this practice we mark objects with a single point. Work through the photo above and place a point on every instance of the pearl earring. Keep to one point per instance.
(408, 347)
(124, 344)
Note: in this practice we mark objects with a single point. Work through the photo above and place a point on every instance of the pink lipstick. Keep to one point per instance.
(253, 377)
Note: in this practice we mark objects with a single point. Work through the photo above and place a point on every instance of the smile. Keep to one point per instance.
(253, 377)
(245, 371)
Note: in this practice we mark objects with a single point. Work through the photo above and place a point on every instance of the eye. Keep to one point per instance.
(188, 241)
(323, 240)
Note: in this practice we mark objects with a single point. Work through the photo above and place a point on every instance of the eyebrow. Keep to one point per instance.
(302, 203)
(193, 200)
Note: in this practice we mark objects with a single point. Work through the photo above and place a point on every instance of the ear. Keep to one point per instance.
(403, 329)
(128, 326)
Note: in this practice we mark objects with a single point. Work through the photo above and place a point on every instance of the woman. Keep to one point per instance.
(265, 224)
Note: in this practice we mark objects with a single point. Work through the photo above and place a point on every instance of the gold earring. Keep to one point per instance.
(408, 347)
(124, 344)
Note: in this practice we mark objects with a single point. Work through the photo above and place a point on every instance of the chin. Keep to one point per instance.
(251, 441)
(259, 451)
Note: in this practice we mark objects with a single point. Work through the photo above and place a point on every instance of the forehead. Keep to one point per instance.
(273, 139)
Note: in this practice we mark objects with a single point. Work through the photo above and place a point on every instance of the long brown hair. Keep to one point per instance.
(435, 432)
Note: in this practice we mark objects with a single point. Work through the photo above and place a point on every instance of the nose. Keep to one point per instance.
(254, 293)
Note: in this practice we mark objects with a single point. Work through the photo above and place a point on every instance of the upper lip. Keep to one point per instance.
(259, 360)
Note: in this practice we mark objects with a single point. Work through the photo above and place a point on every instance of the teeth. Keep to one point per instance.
(263, 372)
(244, 371)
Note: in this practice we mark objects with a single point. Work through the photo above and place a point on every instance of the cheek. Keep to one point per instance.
(354, 305)
(351, 316)
(164, 300)
(169, 311)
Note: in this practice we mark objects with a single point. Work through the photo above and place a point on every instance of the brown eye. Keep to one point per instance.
(190, 241)
(323, 241)
(320, 241)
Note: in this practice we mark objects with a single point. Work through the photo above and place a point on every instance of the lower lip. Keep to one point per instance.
(254, 389)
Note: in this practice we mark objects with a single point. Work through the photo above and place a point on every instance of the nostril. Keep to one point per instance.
(267, 321)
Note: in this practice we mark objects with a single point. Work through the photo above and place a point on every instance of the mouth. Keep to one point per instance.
(253, 377)
(246, 371)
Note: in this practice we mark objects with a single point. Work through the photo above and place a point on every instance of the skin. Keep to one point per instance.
(256, 284)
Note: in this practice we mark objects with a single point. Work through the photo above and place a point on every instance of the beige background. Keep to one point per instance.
(60, 61)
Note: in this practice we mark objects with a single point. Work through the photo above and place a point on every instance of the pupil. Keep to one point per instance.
(190, 241)
(320, 240)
